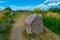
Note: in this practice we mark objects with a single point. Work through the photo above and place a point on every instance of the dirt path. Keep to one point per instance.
(17, 29)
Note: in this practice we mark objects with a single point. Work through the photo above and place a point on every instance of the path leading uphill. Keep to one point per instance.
(17, 29)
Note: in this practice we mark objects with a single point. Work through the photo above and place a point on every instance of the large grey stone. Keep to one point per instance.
(34, 24)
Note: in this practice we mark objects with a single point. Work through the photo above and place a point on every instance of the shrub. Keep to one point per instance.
(2, 29)
(37, 10)
(7, 9)
(5, 26)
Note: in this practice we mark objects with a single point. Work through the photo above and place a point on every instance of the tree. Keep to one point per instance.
(8, 8)
(54, 10)
(37, 10)
(7, 11)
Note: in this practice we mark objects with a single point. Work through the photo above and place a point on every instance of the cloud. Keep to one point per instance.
(53, 4)
(2, 1)
(14, 7)
(52, 0)
(2, 8)
(42, 6)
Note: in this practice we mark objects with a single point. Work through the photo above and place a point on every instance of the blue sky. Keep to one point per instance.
(28, 4)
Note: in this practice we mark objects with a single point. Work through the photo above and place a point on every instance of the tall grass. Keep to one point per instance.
(52, 23)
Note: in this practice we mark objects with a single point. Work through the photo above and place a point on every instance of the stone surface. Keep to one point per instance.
(11, 20)
(34, 24)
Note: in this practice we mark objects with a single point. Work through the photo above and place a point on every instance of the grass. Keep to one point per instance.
(53, 14)
(16, 15)
(52, 23)
(1, 37)
(27, 35)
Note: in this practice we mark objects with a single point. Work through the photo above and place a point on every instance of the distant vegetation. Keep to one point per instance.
(38, 11)
(57, 10)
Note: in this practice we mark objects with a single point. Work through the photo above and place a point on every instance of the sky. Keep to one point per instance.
(29, 4)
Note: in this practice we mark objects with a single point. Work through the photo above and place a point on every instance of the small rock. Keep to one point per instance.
(11, 20)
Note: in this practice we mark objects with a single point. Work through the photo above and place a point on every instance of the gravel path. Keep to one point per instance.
(17, 29)
(17, 33)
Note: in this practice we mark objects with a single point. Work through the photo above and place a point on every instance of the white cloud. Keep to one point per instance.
(14, 7)
(2, 1)
(52, 0)
(46, 6)
(29, 7)
(2, 8)
(42, 6)
(53, 4)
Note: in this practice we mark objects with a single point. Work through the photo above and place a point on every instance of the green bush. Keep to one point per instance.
(52, 23)
(5, 26)
(37, 10)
